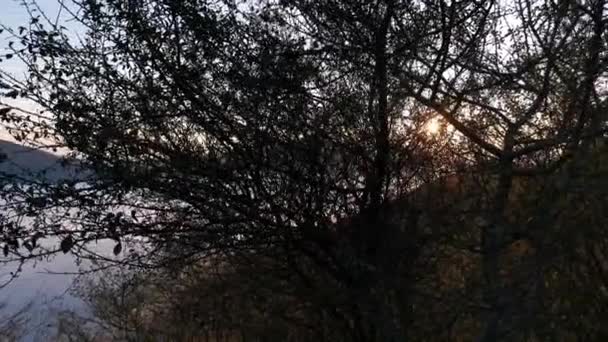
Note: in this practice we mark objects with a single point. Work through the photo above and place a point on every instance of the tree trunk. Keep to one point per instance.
(493, 242)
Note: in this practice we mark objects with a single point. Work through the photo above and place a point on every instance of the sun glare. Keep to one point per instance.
(433, 126)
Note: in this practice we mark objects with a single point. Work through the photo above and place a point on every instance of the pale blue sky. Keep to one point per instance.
(12, 14)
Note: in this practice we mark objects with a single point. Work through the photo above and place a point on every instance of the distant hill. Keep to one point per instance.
(26, 163)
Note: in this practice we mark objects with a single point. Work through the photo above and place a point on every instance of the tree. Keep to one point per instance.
(13, 325)
(293, 130)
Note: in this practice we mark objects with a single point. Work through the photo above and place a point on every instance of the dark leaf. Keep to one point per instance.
(28, 246)
(12, 94)
(117, 248)
(36, 237)
(67, 244)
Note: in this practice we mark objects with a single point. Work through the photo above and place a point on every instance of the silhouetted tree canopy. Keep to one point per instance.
(411, 169)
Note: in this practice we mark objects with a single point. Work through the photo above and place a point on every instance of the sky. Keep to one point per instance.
(12, 15)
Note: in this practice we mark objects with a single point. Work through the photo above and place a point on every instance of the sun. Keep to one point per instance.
(433, 126)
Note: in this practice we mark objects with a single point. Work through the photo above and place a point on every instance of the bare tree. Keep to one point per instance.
(296, 131)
